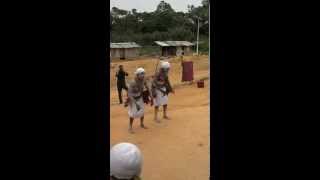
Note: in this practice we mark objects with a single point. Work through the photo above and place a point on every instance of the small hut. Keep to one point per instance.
(175, 48)
(125, 50)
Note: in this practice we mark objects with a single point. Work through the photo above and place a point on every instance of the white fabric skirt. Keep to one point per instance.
(161, 99)
(133, 110)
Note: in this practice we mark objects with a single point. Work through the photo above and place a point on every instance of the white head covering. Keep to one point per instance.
(125, 161)
(165, 65)
(139, 71)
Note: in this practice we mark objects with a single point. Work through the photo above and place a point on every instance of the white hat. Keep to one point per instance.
(125, 161)
(165, 65)
(139, 71)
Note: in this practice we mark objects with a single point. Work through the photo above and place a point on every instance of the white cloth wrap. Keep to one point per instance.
(161, 99)
(132, 109)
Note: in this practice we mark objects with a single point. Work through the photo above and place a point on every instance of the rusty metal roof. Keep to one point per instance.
(174, 43)
(124, 45)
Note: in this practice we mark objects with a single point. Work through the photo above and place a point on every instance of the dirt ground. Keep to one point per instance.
(176, 149)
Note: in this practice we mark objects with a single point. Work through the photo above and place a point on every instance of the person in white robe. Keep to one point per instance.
(161, 87)
(135, 99)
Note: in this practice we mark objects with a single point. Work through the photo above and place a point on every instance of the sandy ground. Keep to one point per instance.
(176, 149)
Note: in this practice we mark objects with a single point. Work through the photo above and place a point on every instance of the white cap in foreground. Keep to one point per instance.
(125, 161)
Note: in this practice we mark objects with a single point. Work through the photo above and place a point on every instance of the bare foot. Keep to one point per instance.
(166, 117)
(157, 120)
(144, 127)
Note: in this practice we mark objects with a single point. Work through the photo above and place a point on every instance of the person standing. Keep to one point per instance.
(161, 87)
(121, 81)
(135, 98)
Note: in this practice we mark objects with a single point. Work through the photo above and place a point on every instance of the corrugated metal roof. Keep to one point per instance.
(174, 43)
(124, 45)
(160, 43)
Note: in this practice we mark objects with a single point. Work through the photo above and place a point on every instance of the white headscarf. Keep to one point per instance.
(139, 71)
(125, 161)
(165, 65)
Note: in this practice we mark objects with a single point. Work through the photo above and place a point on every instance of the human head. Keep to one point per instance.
(121, 67)
(125, 161)
(140, 73)
(165, 66)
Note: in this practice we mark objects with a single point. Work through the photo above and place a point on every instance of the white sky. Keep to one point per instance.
(151, 5)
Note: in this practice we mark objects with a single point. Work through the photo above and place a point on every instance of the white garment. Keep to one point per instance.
(132, 109)
(161, 99)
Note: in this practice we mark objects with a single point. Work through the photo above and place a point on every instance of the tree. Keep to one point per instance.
(205, 3)
(118, 12)
(163, 24)
(164, 7)
(134, 11)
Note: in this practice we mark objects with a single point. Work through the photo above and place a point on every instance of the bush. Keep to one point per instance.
(149, 50)
(204, 46)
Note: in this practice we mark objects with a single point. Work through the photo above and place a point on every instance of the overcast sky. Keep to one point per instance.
(151, 5)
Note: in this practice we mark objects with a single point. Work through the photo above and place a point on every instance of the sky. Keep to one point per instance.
(151, 5)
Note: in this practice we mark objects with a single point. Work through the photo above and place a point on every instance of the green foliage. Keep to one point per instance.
(149, 50)
(164, 7)
(204, 45)
(163, 24)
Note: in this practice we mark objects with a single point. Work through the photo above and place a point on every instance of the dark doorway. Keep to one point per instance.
(172, 51)
(122, 54)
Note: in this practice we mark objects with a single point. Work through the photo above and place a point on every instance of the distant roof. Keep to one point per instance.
(174, 43)
(124, 45)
